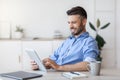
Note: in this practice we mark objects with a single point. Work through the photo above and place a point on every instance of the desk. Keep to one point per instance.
(106, 74)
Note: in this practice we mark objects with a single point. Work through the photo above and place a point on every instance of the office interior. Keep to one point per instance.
(43, 20)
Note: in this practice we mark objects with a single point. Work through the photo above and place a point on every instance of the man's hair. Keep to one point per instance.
(77, 11)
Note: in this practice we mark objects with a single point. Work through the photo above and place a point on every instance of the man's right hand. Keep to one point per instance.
(34, 65)
(50, 64)
(45, 63)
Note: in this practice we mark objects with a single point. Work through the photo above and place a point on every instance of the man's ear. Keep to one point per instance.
(84, 21)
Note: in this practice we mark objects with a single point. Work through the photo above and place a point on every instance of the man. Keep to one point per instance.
(76, 51)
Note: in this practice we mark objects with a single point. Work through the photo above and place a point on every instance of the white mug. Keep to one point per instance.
(94, 68)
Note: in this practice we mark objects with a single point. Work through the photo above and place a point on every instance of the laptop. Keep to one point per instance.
(21, 75)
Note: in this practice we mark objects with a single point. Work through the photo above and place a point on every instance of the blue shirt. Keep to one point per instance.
(73, 50)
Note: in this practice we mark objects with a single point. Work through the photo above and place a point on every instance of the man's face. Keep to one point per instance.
(75, 24)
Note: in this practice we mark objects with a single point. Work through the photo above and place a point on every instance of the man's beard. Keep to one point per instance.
(79, 30)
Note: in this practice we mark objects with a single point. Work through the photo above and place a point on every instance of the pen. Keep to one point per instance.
(75, 73)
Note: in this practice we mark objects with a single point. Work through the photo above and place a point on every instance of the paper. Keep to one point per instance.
(74, 75)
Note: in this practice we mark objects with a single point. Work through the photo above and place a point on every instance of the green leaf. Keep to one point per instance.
(92, 26)
(100, 41)
(98, 23)
(106, 25)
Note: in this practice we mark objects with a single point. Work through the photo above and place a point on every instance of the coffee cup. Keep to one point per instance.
(94, 68)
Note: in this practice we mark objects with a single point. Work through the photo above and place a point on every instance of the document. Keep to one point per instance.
(74, 75)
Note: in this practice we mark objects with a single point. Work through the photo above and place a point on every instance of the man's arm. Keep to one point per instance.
(80, 66)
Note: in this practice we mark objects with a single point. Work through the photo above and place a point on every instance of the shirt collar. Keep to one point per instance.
(84, 34)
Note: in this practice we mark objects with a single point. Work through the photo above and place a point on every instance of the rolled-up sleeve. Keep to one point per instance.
(90, 50)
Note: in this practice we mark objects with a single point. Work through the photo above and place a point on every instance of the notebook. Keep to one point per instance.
(74, 75)
(21, 75)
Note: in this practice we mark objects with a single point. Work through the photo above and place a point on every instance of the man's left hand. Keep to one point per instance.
(52, 64)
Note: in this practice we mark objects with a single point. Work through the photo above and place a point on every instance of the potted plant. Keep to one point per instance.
(19, 32)
(100, 40)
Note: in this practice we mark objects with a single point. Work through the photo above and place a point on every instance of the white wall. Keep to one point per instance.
(106, 13)
(40, 18)
(118, 32)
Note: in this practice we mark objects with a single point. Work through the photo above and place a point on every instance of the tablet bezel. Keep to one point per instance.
(34, 56)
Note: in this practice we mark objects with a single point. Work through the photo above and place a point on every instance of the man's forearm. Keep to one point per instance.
(81, 66)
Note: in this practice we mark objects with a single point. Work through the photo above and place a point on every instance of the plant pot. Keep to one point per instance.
(18, 35)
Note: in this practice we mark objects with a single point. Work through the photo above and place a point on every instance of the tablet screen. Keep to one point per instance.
(34, 56)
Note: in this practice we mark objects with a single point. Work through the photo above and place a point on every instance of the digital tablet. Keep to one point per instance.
(34, 56)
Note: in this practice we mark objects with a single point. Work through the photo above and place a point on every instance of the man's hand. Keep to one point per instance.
(34, 65)
(45, 63)
(50, 64)
(80, 66)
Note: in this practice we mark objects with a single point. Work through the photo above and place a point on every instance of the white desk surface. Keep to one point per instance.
(106, 74)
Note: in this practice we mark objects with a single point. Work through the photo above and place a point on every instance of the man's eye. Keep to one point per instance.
(73, 22)
(68, 22)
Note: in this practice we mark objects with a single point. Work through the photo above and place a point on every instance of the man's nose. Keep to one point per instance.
(70, 25)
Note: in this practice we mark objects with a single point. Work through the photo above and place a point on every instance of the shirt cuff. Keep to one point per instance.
(89, 59)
